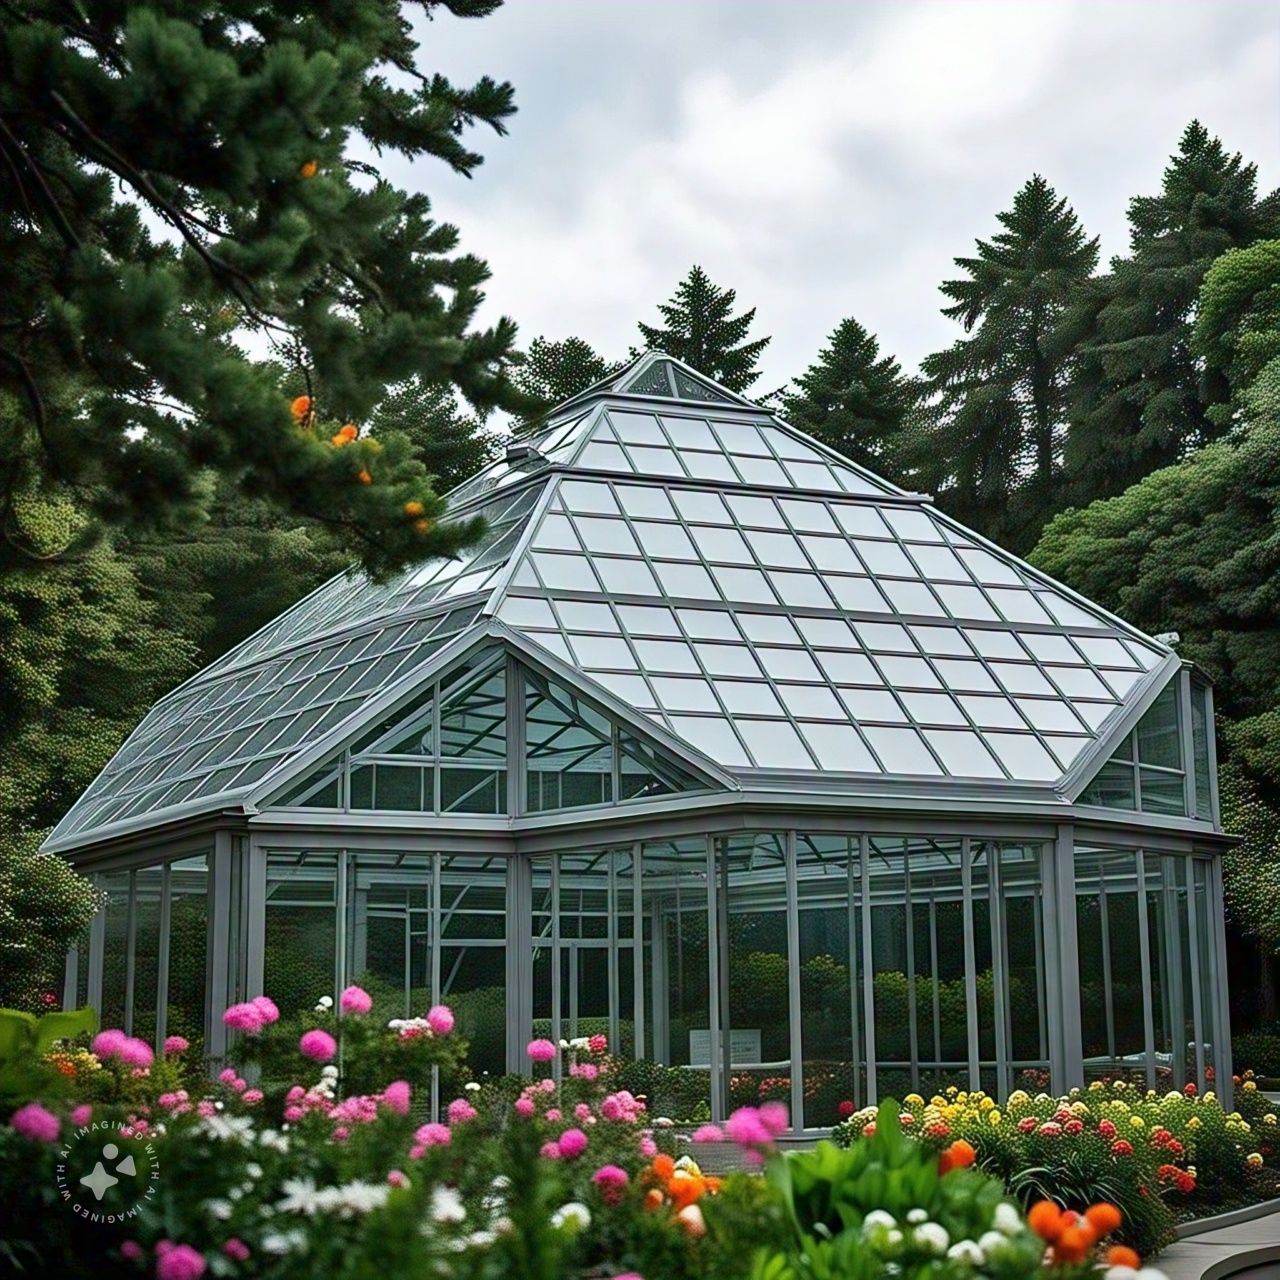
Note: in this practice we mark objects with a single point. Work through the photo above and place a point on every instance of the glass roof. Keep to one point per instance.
(770, 603)
(219, 736)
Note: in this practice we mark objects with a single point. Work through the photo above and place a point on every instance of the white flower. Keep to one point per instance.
(580, 1042)
(279, 1242)
(274, 1141)
(237, 1193)
(932, 1236)
(918, 1215)
(253, 1170)
(564, 1044)
(325, 1002)
(893, 1237)
(575, 1216)
(992, 1241)
(1120, 1273)
(967, 1251)
(330, 1071)
(228, 1128)
(300, 1196)
(480, 1239)
(1007, 1219)
(358, 1197)
(472, 1086)
(446, 1205)
(663, 1122)
(501, 1182)
(220, 1209)
(878, 1218)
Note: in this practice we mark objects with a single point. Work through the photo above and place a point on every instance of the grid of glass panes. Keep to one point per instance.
(735, 451)
(352, 597)
(1147, 771)
(731, 621)
(663, 378)
(224, 734)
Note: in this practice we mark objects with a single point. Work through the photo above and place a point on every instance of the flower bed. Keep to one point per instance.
(313, 1153)
(1160, 1157)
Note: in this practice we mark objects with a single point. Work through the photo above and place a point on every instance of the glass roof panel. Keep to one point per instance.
(878, 635)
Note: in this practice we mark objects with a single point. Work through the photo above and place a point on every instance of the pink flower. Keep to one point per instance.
(35, 1123)
(440, 1019)
(293, 1114)
(541, 1050)
(553, 1113)
(176, 1044)
(243, 1017)
(774, 1117)
(355, 1000)
(550, 1151)
(341, 1133)
(266, 1008)
(433, 1135)
(236, 1249)
(612, 1181)
(582, 1112)
(131, 1250)
(460, 1110)
(396, 1178)
(584, 1070)
(179, 1262)
(524, 1107)
(227, 1076)
(205, 1108)
(397, 1096)
(251, 1097)
(546, 1086)
(598, 1043)
(708, 1133)
(573, 1142)
(747, 1128)
(106, 1044)
(81, 1115)
(648, 1148)
(318, 1045)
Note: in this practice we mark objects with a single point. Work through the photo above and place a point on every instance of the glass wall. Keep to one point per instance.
(300, 951)
(1145, 925)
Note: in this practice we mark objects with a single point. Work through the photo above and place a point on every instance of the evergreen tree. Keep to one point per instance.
(700, 329)
(853, 399)
(551, 372)
(993, 446)
(232, 129)
(451, 443)
(1141, 397)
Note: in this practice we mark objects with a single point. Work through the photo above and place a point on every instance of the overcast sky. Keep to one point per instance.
(824, 158)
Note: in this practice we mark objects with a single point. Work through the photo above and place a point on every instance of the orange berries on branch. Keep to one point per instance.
(959, 1155)
(1045, 1219)
(308, 169)
(301, 410)
(364, 477)
(345, 435)
(1104, 1218)
(414, 509)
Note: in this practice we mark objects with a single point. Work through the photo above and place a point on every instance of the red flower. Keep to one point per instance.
(1026, 1124)
(1121, 1148)
(1106, 1128)
(845, 1109)
(1073, 1127)
(1190, 1090)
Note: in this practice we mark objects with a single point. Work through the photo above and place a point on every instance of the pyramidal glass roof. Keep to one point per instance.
(770, 603)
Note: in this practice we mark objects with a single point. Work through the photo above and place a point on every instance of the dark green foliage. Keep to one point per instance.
(699, 328)
(992, 447)
(44, 906)
(451, 443)
(233, 130)
(551, 372)
(853, 399)
(1141, 398)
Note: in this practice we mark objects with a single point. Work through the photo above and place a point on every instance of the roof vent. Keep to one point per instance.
(1171, 638)
(519, 451)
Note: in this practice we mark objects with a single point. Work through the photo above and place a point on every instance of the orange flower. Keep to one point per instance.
(1120, 1255)
(413, 509)
(349, 431)
(653, 1199)
(959, 1155)
(1074, 1243)
(422, 526)
(685, 1188)
(1045, 1219)
(337, 440)
(663, 1165)
(308, 170)
(1104, 1218)
(300, 407)
(364, 477)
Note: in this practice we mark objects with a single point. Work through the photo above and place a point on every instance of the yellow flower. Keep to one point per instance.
(1018, 1098)
(1209, 1096)
(914, 1100)
(1249, 1086)
(1254, 1159)
(1193, 1123)
(1079, 1109)
(986, 1104)
(993, 1119)
(1268, 1118)
(1137, 1122)
(1095, 1086)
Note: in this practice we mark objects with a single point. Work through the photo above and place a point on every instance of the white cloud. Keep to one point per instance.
(824, 159)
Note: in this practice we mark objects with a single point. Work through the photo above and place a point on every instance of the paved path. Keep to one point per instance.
(1253, 1247)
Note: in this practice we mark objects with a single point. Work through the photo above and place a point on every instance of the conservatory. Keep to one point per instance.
(716, 743)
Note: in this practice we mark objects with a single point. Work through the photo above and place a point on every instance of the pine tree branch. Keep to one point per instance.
(64, 227)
